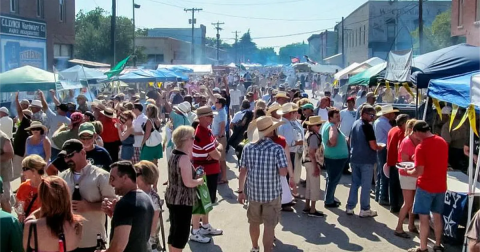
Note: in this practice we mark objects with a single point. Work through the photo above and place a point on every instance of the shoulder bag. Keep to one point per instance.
(33, 229)
(155, 136)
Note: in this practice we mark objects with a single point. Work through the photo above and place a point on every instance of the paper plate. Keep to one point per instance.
(405, 165)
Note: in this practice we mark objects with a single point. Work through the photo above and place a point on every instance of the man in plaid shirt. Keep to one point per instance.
(261, 165)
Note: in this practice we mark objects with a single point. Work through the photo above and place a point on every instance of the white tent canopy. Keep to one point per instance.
(197, 69)
(77, 73)
(325, 68)
(356, 68)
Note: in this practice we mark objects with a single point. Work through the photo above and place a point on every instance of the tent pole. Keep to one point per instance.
(416, 104)
(471, 186)
(426, 106)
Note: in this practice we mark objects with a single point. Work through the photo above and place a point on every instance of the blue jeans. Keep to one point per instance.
(381, 182)
(361, 176)
(334, 173)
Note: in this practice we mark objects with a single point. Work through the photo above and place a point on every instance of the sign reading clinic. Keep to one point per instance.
(20, 27)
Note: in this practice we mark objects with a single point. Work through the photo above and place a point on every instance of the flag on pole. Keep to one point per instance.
(118, 68)
(294, 59)
(310, 61)
(242, 67)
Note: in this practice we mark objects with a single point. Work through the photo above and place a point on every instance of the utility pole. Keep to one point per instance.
(343, 42)
(112, 31)
(420, 26)
(218, 28)
(193, 21)
(236, 45)
(134, 6)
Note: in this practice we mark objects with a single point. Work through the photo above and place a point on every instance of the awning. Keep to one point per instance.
(348, 70)
(366, 76)
(454, 89)
(88, 63)
(26, 78)
(197, 69)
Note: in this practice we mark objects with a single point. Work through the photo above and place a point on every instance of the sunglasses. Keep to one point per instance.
(35, 129)
(70, 155)
(25, 169)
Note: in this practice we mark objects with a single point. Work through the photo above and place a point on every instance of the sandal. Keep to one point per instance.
(438, 248)
(413, 230)
(298, 196)
(402, 234)
(417, 250)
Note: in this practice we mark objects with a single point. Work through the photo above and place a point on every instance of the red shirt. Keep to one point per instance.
(432, 154)
(110, 133)
(205, 143)
(26, 194)
(394, 138)
(280, 140)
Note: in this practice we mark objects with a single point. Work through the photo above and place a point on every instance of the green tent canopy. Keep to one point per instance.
(366, 76)
(26, 78)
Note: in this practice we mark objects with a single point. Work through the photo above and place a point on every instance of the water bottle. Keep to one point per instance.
(76, 193)
(100, 243)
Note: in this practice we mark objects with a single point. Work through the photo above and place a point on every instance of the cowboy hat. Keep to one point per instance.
(263, 126)
(287, 108)
(205, 111)
(37, 125)
(182, 108)
(281, 94)
(36, 103)
(314, 120)
(108, 112)
(272, 108)
(387, 109)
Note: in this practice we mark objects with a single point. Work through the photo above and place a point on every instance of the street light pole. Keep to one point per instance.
(134, 6)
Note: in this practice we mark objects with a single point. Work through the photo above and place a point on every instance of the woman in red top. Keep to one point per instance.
(27, 195)
(406, 152)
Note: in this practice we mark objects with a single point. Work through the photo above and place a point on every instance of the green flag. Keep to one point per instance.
(118, 68)
(242, 67)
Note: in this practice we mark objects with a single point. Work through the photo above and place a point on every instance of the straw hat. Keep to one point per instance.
(263, 126)
(37, 125)
(108, 112)
(36, 103)
(387, 109)
(272, 108)
(205, 111)
(182, 108)
(281, 94)
(314, 120)
(287, 108)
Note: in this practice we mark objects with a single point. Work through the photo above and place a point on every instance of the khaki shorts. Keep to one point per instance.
(267, 213)
(223, 142)
(17, 167)
(312, 192)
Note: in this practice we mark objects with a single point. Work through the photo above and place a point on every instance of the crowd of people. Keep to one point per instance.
(81, 168)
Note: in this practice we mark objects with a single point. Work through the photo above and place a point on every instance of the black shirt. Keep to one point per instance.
(100, 158)
(134, 209)
(21, 137)
(476, 144)
(152, 94)
(368, 131)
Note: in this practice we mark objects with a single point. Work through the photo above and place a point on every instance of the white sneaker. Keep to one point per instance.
(349, 211)
(198, 237)
(255, 250)
(209, 230)
(367, 213)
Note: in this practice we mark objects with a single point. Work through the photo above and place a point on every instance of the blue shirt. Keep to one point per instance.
(360, 151)
(220, 117)
(382, 126)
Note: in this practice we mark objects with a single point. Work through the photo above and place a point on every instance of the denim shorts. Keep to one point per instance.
(426, 202)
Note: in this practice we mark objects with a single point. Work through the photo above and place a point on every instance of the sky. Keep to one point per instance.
(280, 19)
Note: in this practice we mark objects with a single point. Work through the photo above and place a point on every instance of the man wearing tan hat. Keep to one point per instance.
(206, 153)
(281, 97)
(262, 164)
(381, 127)
(82, 103)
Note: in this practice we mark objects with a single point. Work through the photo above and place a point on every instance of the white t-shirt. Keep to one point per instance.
(6, 125)
(235, 97)
(137, 127)
(347, 118)
(323, 113)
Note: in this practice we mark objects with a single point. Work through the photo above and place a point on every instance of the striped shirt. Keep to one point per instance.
(205, 143)
(263, 161)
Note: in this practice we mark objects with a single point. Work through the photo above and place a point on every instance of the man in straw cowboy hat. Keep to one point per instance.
(206, 153)
(313, 160)
(382, 126)
(362, 159)
(281, 97)
(259, 181)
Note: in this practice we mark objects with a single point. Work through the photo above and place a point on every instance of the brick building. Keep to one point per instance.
(322, 45)
(36, 32)
(466, 20)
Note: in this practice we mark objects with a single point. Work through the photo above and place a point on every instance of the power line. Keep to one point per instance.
(241, 4)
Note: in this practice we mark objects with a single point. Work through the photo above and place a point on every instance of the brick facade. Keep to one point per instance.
(466, 20)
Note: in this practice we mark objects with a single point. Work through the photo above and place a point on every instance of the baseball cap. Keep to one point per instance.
(70, 146)
(421, 126)
(351, 98)
(307, 106)
(76, 117)
(4, 110)
(86, 128)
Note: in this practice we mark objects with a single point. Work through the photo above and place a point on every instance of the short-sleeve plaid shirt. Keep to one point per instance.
(263, 161)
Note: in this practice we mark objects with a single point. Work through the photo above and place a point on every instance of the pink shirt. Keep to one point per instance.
(406, 147)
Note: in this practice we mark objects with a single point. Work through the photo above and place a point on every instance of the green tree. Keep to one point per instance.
(266, 55)
(438, 35)
(246, 47)
(292, 50)
(92, 37)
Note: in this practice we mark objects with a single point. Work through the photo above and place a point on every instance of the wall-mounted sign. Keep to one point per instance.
(21, 27)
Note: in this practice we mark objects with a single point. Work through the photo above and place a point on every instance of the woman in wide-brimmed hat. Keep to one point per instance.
(38, 143)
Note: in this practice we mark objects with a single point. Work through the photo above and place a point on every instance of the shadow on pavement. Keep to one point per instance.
(212, 247)
(280, 247)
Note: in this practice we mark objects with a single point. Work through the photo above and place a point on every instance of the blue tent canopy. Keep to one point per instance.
(454, 89)
(137, 76)
(165, 75)
(453, 60)
(177, 68)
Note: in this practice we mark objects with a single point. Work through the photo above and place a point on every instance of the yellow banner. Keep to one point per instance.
(376, 89)
(464, 118)
(405, 85)
(387, 84)
(335, 83)
(397, 87)
(471, 117)
(453, 115)
(437, 106)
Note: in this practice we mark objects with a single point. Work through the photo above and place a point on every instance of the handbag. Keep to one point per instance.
(155, 137)
(204, 203)
(29, 208)
(33, 229)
